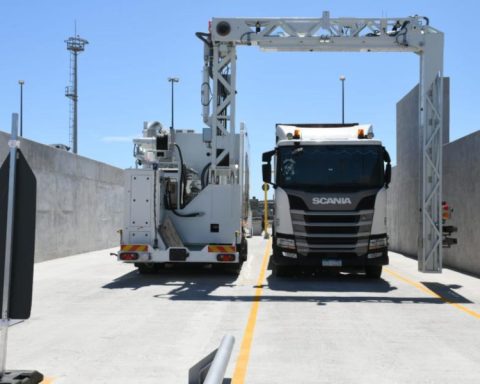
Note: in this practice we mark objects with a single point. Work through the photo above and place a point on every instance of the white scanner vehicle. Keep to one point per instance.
(330, 185)
(176, 209)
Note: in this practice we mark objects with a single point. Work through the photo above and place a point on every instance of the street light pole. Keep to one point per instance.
(342, 79)
(173, 80)
(21, 82)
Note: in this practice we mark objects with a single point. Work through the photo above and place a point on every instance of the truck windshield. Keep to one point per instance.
(330, 166)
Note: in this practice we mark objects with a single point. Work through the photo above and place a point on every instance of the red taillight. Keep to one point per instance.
(225, 257)
(445, 211)
(127, 256)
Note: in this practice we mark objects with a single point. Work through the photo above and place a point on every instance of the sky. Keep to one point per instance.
(134, 46)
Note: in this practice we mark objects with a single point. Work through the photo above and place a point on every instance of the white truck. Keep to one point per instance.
(176, 209)
(330, 198)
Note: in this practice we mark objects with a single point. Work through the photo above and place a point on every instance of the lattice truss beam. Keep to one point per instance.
(409, 34)
(222, 122)
(431, 176)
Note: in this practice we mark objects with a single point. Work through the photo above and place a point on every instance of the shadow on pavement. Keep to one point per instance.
(199, 284)
(329, 282)
(189, 275)
(298, 290)
(194, 292)
(447, 292)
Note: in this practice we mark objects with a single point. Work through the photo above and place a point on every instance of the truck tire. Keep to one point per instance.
(147, 268)
(283, 270)
(243, 249)
(373, 271)
(230, 268)
(235, 269)
(279, 270)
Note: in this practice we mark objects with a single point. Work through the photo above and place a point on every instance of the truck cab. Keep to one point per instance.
(330, 183)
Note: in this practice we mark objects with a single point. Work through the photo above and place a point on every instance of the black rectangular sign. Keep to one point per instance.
(23, 246)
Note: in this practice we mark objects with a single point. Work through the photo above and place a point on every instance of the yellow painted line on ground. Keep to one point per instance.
(423, 288)
(244, 355)
(48, 380)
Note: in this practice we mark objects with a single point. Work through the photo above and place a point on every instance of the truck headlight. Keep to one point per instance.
(379, 243)
(285, 243)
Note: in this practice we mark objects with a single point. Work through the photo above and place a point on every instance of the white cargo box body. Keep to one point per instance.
(201, 235)
(218, 228)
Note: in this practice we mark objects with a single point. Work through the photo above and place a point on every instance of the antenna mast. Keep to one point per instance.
(75, 45)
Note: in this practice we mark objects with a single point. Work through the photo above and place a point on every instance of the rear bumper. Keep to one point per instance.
(180, 255)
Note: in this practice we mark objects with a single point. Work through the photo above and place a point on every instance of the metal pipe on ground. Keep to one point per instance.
(216, 372)
(211, 369)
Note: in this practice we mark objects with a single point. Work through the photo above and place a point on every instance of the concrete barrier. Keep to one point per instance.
(461, 187)
(79, 200)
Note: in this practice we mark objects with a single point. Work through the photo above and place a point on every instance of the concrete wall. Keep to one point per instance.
(403, 223)
(403, 199)
(79, 200)
(461, 189)
(461, 178)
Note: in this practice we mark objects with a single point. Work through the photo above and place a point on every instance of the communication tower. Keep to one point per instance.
(75, 45)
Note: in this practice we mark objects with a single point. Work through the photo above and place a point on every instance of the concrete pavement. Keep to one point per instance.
(96, 320)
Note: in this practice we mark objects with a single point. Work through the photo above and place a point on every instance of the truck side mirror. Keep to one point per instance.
(267, 156)
(388, 174)
(386, 156)
(388, 168)
(267, 168)
(267, 173)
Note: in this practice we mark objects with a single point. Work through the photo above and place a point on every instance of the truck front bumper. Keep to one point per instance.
(331, 260)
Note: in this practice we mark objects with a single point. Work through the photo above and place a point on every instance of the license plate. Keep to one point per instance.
(331, 263)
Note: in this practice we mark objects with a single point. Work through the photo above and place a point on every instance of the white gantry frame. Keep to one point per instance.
(409, 34)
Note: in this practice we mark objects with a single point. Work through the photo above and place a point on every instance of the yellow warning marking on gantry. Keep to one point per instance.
(48, 380)
(424, 289)
(244, 354)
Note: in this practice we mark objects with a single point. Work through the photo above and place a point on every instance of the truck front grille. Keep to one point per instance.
(327, 232)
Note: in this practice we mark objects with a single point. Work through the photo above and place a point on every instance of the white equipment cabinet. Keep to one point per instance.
(176, 209)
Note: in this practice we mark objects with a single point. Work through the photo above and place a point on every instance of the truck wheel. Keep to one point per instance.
(243, 249)
(147, 268)
(373, 271)
(230, 269)
(283, 271)
(235, 269)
